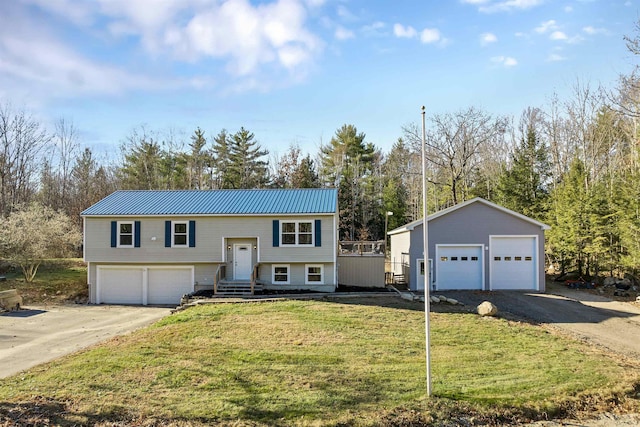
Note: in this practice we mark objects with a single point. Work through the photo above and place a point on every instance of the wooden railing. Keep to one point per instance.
(254, 277)
(221, 273)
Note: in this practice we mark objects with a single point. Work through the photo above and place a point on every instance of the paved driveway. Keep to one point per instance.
(40, 334)
(611, 324)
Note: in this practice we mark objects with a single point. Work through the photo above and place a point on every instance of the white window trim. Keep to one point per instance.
(133, 234)
(173, 233)
(297, 233)
(273, 274)
(306, 274)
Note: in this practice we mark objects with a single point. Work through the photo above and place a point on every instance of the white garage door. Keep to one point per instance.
(120, 285)
(143, 285)
(513, 262)
(458, 267)
(167, 285)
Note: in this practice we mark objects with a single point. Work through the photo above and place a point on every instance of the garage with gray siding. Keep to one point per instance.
(475, 245)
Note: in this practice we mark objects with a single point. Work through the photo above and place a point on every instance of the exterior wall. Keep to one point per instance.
(400, 243)
(297, 277)
(363, 271)
(212, 234)
(473, 224)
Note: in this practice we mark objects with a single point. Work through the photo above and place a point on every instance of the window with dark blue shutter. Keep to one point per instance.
(136, 231)
(192, 234)
(318, 233)
(114, 234)
(167, 234)
(276, 233)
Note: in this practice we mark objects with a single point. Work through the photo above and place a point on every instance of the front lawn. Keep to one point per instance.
(342, 362)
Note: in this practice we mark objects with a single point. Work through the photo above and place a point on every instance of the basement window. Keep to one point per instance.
(280, 274)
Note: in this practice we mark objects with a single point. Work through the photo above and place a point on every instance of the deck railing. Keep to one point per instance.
(255, 273)
(221, 273)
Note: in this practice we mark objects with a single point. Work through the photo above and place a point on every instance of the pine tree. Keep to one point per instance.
(522, 186)
(246, 168)
(347, 162)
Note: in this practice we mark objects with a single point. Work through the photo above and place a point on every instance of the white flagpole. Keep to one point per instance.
(425, 228)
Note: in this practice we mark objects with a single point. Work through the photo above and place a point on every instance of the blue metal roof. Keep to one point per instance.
(216, 202)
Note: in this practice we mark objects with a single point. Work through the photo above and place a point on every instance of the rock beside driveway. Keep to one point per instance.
(487, 308)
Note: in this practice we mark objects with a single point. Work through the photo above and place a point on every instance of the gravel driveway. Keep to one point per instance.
(611, 324)
(37, 335)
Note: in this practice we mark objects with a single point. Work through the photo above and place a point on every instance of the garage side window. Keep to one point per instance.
(125, 234)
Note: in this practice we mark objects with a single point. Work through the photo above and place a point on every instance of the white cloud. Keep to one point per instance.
(430, 35)
(506, 61)
(344, 13)
(401, 31)
(342, 33)
(555, 57)
(594, 31)
(426, 36)
(242, 35)
(491, 6)
(558, 35)
(568, 9)
(546, 26)
(374, 28)
(487, 38)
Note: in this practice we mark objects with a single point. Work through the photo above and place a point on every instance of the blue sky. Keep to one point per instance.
(294, 71)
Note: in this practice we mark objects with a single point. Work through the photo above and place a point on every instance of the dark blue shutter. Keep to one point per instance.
(167, 234)
(276, 233)
(136, 234)
(318, 232)
(114, 234)
(192, 234)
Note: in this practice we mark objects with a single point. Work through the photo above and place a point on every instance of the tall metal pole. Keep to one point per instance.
(425, 228)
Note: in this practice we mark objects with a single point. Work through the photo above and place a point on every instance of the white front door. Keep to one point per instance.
(242, 261)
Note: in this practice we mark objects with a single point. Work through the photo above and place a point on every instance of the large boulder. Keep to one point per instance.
(487, 308)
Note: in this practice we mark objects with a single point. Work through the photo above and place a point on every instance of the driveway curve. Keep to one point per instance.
(37, 335)
(599, 320)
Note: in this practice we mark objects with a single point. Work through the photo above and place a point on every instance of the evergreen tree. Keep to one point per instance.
(522, 187)
(198, 161)
(347, 161)
(220, 159)
(246, 168)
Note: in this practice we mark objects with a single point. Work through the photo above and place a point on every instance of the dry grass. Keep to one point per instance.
(321, 363)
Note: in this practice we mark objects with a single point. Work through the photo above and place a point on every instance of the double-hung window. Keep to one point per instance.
(125, 234)
(280, 274)
(314, 274)
(297, 233)
(180, 234)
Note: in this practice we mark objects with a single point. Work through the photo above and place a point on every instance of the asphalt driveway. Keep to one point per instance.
(599, 320)
(37, 335)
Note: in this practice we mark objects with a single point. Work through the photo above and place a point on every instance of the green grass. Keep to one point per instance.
(319, 363)
(57, 281)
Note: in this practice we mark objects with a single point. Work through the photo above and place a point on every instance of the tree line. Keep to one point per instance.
(573, 164)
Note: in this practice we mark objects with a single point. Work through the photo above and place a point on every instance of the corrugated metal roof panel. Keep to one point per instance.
(216, 202)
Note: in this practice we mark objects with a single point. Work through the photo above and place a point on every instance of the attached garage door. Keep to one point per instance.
(143, 285)
(513, 262)
(458, 267)
(120, 285)
(167, 285)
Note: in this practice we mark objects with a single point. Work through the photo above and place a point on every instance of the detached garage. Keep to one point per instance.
(155, 285)
(473, 245)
